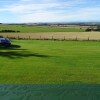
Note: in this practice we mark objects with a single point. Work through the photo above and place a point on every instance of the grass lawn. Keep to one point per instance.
(50, 62)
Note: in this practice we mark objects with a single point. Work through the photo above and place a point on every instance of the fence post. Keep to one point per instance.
(40, 37)
(76, 38)
(88, 38)
(64, 38)
(52, 37)
(18, 37)
(29, 37)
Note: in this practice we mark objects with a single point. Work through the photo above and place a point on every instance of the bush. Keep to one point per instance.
(8, 31)
(88, 30)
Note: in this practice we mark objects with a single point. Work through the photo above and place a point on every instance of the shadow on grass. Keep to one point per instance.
(15, 51)
(15, 46)
(20, 54)
(12, 47)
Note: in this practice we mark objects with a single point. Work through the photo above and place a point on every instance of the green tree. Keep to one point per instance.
(98, 28)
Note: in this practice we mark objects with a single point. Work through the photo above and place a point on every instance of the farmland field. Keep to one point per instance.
(48, 32)
(50, 62)
(29, 29)
(55, 35)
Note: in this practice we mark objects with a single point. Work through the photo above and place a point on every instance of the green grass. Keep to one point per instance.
(50, 62)
(28, 29)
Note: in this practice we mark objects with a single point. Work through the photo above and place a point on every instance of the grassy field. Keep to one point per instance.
(50, 62)
(29, 29)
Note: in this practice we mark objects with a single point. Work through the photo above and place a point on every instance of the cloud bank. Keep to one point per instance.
(50, 10)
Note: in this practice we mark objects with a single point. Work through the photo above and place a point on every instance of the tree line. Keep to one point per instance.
(93, 29)
(8, 31)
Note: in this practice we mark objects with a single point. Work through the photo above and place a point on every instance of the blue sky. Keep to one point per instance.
(26, 11)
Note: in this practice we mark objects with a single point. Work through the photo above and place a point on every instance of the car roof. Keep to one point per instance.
(4, 39)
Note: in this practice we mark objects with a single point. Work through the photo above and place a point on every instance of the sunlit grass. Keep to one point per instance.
(50, 62)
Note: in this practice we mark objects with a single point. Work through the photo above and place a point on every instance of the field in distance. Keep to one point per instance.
(32, 29)
(50, 62)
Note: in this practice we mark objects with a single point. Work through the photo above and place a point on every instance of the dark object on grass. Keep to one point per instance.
(5, 42)
(8, 31)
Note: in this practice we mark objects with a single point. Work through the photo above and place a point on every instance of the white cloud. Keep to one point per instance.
(56, 16)
(22, 8)
(51, 11)
(29, 5)
(42, 17)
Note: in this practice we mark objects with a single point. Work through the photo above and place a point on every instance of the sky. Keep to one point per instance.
(34, 11)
